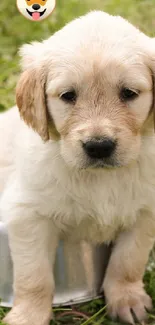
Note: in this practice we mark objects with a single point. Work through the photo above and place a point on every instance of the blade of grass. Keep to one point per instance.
(101, 320)
(62, 309)
(73, 313)
(94, 316)
(151, 316)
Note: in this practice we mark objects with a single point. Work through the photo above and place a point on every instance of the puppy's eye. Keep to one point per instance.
(128, 94)
(69, 96)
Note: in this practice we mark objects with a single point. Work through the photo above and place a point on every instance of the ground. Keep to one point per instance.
(16, 30)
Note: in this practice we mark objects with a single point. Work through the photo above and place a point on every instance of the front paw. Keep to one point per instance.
(127, 300)
(26, 314)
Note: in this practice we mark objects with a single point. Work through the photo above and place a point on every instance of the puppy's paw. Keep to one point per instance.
(128, 301)
(27, 315)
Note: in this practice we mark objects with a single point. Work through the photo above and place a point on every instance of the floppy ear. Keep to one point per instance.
(153, 105)
(31, 101)
(148, 44)
(152, 68)
(31, 92)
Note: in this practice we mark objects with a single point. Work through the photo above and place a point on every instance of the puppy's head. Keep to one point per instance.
(91, 87)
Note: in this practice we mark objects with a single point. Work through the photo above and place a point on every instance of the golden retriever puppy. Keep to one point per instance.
(82, 162)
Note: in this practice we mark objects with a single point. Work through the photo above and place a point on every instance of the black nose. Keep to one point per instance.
(36, 6)
(100, 148)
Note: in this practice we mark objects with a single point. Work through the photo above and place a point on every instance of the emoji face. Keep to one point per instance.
(36, 10)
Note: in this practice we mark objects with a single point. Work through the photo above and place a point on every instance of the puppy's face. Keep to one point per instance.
(96, 81)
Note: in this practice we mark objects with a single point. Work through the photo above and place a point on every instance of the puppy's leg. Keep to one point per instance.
(30, 242)
(123, 284)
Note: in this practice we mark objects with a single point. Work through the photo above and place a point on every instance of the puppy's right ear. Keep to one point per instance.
(31, 101)
(31, 93)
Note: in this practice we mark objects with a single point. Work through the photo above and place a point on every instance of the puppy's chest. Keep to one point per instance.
(98, 207)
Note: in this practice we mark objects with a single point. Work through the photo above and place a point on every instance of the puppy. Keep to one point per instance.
(82, 163)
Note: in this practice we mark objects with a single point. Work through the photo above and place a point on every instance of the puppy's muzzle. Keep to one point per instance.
(100, 148)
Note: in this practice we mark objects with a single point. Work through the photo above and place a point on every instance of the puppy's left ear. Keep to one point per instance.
(153, 82)
(154, 100)
(152, 68)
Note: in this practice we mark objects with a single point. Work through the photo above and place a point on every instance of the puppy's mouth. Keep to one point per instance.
(109, 163)
(36, 14)
(103, 164)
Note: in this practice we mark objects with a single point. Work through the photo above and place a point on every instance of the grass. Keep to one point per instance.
(16, 30)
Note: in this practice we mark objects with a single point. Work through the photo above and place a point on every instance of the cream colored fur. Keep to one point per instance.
(49, 187)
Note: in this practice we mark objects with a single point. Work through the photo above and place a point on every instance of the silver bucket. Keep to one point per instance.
(79, 271)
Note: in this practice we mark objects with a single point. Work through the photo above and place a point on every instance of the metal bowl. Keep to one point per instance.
(79, 271)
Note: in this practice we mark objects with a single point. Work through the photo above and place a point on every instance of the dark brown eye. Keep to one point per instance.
(69, 96)
(128, 94)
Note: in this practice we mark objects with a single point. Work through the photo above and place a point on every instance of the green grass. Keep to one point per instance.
(16, 30)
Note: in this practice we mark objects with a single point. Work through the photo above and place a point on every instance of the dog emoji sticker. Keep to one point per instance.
(36, 10)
